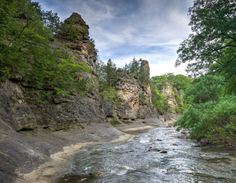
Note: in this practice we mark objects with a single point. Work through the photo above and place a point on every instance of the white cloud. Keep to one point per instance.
(166, 67)
(155, 24)
(162, 63)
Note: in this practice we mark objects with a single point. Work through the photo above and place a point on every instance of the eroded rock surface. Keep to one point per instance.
(169, 93)
(135, 95)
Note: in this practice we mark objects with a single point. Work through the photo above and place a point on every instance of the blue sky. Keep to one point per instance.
(123, 29)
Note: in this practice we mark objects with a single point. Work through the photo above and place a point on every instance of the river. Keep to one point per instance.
(159, 155)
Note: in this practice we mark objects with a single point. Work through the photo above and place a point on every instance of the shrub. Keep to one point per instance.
(206, 88)
(215, 121)
(109, 93)
(158, 100)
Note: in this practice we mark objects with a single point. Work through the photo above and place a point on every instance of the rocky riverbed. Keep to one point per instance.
(159, 155)
(62, 146)
(147, 152)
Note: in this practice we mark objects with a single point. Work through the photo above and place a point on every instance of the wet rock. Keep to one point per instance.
(163, 151)
(151, 149)
(205, 142)
(78, 178)
(108, 108)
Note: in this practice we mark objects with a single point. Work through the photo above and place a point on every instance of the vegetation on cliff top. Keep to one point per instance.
(211, 51)
(109, 75)
(26, 54)
(178, 85)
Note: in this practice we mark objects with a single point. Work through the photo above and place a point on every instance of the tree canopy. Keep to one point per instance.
(25, 51)
(213, 25)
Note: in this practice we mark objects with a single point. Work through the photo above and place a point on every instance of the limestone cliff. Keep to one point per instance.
(24, 108)
(169, 92)
(74, 35)
(135, 95)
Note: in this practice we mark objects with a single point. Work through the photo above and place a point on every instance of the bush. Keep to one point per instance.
(109, 93)
(27, 54)
(179, 84)
(158, 100)
(206, 88)
(215, 121)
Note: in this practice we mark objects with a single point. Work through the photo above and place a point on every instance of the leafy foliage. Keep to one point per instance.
(110, 94)
(226, 66)
(215, 121)
(209, 115)
(111, 73)
(211, 49)
(213, 25)
(107, 74)
(50, 19)
(179, 84)
(26, 54)
(159, 101)
(137, 69)
(204, 89)
(133, 68)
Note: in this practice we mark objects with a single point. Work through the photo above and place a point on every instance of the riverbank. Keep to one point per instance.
(159, 155)
(99, 133)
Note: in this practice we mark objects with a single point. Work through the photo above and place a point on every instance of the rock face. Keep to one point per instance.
(22, 108)
(21, 111)
(169, 93)
(135, 95)
(74, 35)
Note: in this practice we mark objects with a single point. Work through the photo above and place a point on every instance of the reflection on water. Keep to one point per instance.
(160, 155)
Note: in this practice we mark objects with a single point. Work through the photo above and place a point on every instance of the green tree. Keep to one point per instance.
(226, 66)
(214, 121)
(23, 32)
(213, 24)
(111, 74)
(206, 88)
(133, 68)
(180, 85)
(144, 72)
(26, 54)
(50, 19)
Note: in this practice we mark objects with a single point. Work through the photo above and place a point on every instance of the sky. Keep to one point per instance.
(124, 29)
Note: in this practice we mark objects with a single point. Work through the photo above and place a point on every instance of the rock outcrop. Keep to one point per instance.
(169, 92)
(135, 95)
(24, 109)
(74, 35)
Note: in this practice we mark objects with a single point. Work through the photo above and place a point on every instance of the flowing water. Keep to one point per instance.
(160, 155)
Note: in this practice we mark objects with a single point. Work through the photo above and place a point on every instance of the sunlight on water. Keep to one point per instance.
(160, 155)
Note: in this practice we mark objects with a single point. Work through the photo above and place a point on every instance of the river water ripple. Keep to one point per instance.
(160, 155)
